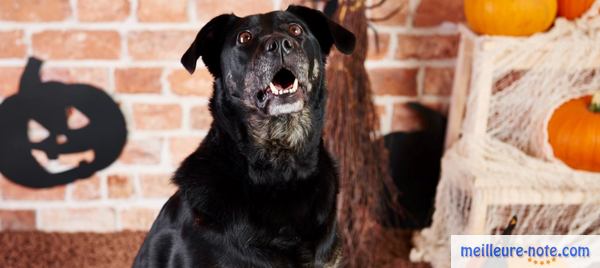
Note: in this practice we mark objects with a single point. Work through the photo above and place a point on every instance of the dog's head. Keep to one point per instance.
(269, 66)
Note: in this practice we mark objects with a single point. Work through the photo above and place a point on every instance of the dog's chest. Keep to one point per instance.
(274, 234)
(283, 247)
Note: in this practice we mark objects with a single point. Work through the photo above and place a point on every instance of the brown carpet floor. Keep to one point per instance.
(95, 250)
(36, 249)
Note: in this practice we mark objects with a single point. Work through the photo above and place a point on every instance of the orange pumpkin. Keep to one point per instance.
(574, 133)
(510, 17)
(572, 9)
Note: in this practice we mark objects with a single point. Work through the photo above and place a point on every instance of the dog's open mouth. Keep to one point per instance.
(284, 82)
(282, 95)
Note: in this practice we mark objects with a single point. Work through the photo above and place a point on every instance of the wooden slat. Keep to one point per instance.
(462, 76)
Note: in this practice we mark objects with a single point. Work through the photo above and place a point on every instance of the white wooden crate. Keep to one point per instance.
(484, 173)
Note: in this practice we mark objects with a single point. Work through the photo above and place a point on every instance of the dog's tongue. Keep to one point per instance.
(279, 86)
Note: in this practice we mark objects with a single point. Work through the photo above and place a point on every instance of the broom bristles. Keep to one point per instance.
(350, 130)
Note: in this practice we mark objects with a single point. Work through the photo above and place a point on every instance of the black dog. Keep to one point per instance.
(414, 164)
(260, 191)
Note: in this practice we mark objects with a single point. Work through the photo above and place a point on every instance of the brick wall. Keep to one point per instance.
(131, 48)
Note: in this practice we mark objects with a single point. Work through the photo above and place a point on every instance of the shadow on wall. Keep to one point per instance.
(414, 163)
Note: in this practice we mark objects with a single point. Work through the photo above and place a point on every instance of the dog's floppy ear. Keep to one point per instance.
(326, 31)
(208, 44)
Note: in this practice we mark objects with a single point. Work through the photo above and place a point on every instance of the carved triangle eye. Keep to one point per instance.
(36, 131)
(76, 119)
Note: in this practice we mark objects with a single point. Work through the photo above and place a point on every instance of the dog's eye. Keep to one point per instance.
(295, 29)
(244, 37)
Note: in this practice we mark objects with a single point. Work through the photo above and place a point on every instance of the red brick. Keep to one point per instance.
(105, 10)
(318, 5)
(438, 81)
(198, 84)
(142, 152)
(376, 52)
(201, 117)
(138, 80)
(17, 220)
(395, 12)
(285, 3)
(156, 116)
(139, 219)
(208, 9)
(158, 11)
(312, 4)
(426, 47)
(77, 219)
(86, 189)
(394, 81)
(77, 44)
(97, 77)
(34, 10)
(156, 185)
(12, 45)
(438, 105)
(159, 45)
(12, 191)
(182, 147)
(120, 186)
(404, 119)
(433, 12)
(9, 80)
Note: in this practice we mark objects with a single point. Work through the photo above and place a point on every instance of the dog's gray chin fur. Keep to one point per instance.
(283, 133)
(286, 108)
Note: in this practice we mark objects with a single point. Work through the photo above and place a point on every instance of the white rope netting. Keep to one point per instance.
(509, 169)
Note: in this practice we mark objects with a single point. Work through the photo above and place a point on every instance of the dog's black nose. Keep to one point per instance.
(275, 43)
(287, 46)
(271, 45)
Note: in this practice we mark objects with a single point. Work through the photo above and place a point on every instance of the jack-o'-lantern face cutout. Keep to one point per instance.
(41, 137)
(53, 133)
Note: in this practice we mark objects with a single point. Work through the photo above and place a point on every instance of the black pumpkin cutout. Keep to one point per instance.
(48, 103)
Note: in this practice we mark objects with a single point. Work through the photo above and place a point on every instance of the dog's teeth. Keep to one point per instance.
(286, 91)
(273, 88)
(295, 87)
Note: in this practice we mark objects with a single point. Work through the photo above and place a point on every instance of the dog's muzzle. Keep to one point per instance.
(283, 95)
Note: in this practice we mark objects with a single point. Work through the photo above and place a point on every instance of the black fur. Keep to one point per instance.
(252, 195)
(414, 164)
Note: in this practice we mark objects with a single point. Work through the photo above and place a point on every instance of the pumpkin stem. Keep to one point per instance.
(595, 105)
